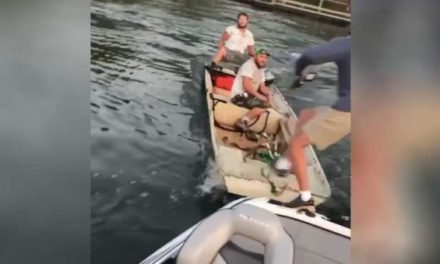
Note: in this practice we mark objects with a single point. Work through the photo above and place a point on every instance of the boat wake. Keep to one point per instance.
(211, 180)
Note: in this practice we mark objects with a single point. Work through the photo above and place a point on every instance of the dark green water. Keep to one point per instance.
(150, 136)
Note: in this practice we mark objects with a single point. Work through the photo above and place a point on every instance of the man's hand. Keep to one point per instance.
(264, 91)
(263, 98)
(303, 74)
(269, 99)
(299, 81)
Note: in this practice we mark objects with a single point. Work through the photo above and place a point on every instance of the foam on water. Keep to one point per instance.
(211, 178)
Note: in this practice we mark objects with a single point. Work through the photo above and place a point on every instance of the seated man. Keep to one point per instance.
(249, 89)
(234, 42)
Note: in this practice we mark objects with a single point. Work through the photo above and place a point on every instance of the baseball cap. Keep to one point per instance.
(259, 51)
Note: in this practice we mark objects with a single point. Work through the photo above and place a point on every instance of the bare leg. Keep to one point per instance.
(244, 122)
(297, 157)
(221, 53)
(295, 153)
(304, 117)
(296, 150)
(254, 113)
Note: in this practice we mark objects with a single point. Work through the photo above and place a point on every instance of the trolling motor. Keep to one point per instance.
(269, 78)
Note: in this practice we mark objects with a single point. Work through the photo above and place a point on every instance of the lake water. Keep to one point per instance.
(151, 153)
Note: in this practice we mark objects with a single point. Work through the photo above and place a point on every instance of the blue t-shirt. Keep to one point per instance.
(336, 50)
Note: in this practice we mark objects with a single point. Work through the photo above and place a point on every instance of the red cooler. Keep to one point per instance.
(223, 81)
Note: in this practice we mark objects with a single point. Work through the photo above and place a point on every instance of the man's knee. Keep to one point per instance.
(256, 111)
(307, 114)
(222, 51)
(299, 140)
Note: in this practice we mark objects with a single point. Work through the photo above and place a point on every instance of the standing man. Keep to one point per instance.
(237, 43)
(249, 85)
(322, 126)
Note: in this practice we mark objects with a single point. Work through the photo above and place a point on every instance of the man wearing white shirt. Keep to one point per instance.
(249, 89)
(237, 42)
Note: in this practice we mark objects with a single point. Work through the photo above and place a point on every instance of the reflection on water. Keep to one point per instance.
(150, 135)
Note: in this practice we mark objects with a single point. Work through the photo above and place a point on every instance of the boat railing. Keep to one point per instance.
(318, 9)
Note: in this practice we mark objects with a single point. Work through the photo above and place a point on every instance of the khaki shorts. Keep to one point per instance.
(327, 127)
(249, 102)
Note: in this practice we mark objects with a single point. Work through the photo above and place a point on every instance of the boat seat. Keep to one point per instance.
(230, 66)
(227, 114)
(222, 93)
(257, 224)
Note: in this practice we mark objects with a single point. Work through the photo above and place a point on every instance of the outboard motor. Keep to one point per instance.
(269, 77)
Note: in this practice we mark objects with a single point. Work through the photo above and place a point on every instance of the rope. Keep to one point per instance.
(265, 121)
(273, 187)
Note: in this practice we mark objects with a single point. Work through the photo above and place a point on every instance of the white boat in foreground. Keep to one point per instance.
(249, 231)
(239, 167)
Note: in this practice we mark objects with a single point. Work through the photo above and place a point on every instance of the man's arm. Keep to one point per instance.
(249, 88)
(263, 89)
(331, 51)
(266, 92)
(251, 51)
(250, 47)
(223, 39)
